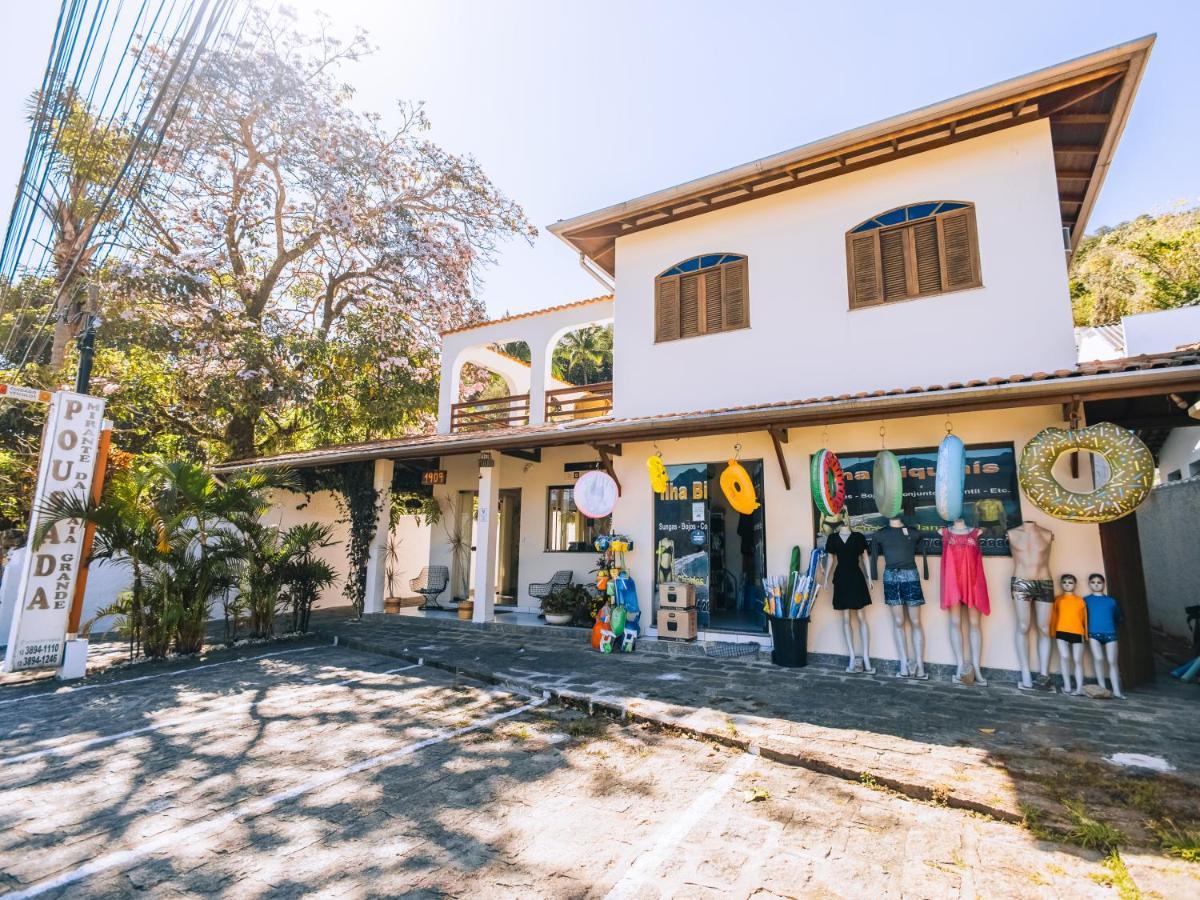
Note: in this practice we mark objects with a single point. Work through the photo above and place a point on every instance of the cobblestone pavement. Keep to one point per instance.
(992, 749)
(323, 771)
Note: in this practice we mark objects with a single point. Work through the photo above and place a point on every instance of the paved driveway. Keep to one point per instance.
(319, 770)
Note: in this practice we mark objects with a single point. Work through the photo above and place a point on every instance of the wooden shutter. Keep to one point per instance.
(666, 309)
(863, 254)
(960, 263)
(713, 320)
(928, 262)
(891, 254)
(689, 305)
(733, 295)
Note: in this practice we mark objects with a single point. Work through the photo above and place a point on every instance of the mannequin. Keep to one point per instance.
(1032, 590)
(846, 562)
(1069, 624)
(902, 591)
(1103, 617)
(963, 584)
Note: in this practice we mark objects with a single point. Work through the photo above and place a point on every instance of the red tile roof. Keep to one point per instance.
(527, 315)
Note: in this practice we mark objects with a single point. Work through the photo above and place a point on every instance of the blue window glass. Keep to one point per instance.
(920, 210)
(907, 214)
(696, 263)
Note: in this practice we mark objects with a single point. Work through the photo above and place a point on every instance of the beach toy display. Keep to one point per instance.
(1129, 460)
(792, 596)
(595, 494)
(738, 488)
(950, 478)
(827, 482)
(886, 484)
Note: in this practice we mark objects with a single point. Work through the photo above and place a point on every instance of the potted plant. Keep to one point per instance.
(562, 606)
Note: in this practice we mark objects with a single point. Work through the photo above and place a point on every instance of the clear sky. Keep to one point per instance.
(572, 106)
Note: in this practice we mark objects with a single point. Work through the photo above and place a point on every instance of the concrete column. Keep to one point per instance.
(539, 366)
(487, 541)
(377, 561)
(447, 390)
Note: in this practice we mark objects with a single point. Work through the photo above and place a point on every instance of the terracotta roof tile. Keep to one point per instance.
(527, 315)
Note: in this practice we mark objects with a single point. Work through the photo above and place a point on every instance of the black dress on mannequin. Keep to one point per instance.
(850, 589)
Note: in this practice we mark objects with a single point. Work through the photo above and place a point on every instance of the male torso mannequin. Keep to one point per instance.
(1033, 596)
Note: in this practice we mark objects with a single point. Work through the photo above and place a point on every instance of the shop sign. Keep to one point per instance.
(28, 394)
(578, 468)
(46, 582)
(991, 496)
(433, 476)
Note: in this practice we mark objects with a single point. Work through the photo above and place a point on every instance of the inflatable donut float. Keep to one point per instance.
(595, 494)
(1130, 461)
(951, 474)
(827, 482)
(886, 484)
(738, 488)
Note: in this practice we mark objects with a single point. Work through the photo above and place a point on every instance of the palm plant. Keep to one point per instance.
(304, 574)
(584, 356)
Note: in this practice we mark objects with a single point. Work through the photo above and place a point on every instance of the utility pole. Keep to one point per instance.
(87, 340)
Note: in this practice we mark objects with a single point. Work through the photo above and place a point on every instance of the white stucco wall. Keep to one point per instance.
(1161, 331)
(803, 340)
(1179, 453)
(410, 538)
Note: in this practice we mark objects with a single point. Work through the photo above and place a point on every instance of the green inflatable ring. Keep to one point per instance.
(886, 484)
(1130, 461)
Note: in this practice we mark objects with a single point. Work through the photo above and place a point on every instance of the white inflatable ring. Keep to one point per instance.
(950, 477)
(827, 482)
(886, 484)
(1130, 461)
(595, 494)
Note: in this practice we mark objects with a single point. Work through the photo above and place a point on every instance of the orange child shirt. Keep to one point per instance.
(1069, 615)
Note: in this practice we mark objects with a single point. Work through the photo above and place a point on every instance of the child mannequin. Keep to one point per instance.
(1103, 616)
(1068, 624)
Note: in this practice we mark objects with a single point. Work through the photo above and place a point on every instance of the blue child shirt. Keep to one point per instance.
(1103, 614)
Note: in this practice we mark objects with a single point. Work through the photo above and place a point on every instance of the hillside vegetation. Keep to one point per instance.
(1152, 262)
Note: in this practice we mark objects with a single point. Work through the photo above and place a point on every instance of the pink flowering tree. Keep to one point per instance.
(300, 263)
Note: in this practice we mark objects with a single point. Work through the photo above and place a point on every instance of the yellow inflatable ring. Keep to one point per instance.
(658, 474)
(1130, 461)
(738, 488)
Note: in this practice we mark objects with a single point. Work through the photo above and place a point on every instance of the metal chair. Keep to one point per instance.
(431, 582)
(540, 590)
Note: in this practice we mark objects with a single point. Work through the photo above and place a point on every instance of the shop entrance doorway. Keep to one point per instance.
(702, 541)
(466, 527)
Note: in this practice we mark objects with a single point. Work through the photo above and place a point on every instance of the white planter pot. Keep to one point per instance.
(559, 618)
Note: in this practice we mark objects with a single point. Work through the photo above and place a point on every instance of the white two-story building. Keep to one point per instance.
(877, 288)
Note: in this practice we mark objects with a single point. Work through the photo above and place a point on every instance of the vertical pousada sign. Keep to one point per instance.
(47, 579)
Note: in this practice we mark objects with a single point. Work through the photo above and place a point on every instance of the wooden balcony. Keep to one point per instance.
(481, 415)
(585, 401)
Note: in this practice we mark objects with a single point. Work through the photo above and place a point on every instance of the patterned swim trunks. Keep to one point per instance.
(902, 587)
(1041, 590)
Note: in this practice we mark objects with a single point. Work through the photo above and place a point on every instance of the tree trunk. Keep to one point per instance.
(239, 433)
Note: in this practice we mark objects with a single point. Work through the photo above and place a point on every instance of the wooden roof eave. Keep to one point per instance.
(1003, 105)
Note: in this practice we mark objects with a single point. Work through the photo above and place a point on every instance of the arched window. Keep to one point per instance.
(701, 295)
(913, 251)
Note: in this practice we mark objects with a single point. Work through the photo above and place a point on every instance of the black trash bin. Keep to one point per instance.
(789, 639)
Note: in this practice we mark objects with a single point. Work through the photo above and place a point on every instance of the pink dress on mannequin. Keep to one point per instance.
(963, 581)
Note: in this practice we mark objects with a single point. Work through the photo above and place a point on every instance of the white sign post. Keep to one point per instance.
(47, 580)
